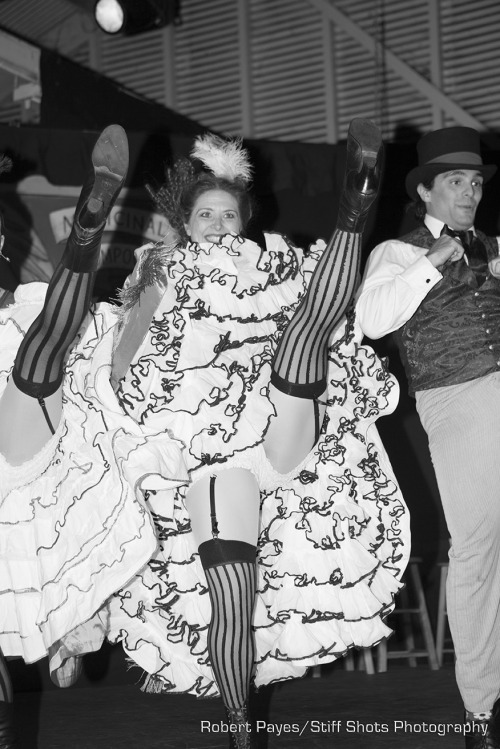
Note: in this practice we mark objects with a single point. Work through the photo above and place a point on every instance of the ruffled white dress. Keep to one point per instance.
(95, 539)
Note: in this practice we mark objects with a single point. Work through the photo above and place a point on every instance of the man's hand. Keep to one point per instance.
(445, 249)
(494, 266)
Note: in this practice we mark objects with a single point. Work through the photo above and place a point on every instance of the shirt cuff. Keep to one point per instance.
(422, 275)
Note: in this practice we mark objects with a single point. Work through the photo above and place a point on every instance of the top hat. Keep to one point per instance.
(445, 150)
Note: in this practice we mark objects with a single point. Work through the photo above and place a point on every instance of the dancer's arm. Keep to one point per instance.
(397, 278)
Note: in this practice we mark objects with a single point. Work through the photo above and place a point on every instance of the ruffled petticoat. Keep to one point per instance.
(334, 533)
(95, 539)
(74, 522)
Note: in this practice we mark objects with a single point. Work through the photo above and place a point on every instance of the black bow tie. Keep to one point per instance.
(475, 250)
(465, 237)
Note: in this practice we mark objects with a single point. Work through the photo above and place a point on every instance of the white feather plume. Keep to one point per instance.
(225, 158)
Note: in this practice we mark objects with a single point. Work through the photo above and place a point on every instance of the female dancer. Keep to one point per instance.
(220, 365)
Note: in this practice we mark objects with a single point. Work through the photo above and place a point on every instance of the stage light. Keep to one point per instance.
(109, 16)
(135, 16)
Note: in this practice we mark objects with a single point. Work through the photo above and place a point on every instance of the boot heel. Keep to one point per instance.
(104, 192)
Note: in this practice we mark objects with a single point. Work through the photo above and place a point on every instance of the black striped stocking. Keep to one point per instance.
(300, 362)
(230, 570)
(38, 368)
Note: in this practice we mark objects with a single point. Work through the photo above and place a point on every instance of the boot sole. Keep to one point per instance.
(110, 162)
(368, 137)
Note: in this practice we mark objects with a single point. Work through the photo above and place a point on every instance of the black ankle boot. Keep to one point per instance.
(240, 728)
(362, 175)
(99, 194)
(484, 734)
(7, 734)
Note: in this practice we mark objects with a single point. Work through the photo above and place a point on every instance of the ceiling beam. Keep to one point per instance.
(428, 89)
(19, 57)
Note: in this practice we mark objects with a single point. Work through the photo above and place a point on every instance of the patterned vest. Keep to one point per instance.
(454, 336)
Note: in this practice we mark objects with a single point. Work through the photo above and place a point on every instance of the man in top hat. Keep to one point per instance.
(438, 290)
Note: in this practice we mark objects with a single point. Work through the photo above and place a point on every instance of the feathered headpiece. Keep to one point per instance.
(224, 158)
(168, 197)
(5, 163)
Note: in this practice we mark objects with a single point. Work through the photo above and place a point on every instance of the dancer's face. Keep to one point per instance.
(214, 214)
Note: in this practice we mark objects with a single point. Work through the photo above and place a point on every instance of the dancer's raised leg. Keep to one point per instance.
(31, 405)
(300, 364)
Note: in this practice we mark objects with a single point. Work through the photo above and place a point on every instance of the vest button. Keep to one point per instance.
(488, 331)
(484, 315)
(490, 347)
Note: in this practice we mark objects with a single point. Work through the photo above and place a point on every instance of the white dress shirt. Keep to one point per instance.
(398, 276)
